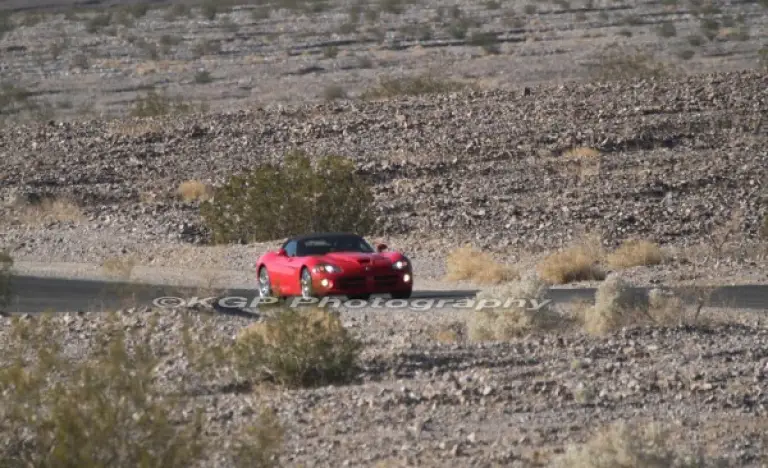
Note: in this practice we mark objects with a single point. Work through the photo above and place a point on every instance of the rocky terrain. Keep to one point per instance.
(80, 61)
(679, 161)
(428, 397)
(668, 156)
(514, 157)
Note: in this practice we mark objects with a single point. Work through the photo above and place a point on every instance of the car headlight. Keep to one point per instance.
(400, 265)
(326, 268)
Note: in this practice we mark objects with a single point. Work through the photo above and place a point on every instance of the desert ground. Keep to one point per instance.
(520, 129)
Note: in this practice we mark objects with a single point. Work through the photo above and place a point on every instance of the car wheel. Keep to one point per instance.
(401, 295)
(363, 297)
(306, 284)
(265, 288)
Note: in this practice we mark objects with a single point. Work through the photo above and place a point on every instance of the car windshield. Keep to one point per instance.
(324, 245)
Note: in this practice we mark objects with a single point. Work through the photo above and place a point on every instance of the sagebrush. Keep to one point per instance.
(104, 403)
(299, 348)
(511, 319)
(389, 87)
(276, 201)
(6, 268)
(631, 445)
(618, 304)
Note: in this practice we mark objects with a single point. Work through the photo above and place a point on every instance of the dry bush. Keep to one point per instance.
(154, 104)
(13, 97)
(104, 405)
(576, 263)
(764, 228)
(195, 190)
(333, 92)
(509, 319)
(135, 128)
(6, 23)
(453, 332)
(469, 264)
(299, 348)
(762, 57)
(389, 87)
(724, 235)
(633, 253)
(6, 271)
(119, 267)
(582, 152)
(617, 64)
(50, 210)
(617, 305)
(631, 446)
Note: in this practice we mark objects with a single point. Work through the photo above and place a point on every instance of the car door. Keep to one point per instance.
(283, 268)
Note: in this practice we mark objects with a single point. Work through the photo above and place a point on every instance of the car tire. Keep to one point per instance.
(263, 283)
(401, 295)
(305, 282)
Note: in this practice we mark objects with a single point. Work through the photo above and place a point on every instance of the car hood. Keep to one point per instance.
(357, 258)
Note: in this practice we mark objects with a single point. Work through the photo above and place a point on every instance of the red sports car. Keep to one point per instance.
(333, 264)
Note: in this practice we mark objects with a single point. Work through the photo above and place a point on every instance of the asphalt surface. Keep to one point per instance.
(32, 294)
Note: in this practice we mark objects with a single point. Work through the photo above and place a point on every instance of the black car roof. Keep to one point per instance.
(304, 237)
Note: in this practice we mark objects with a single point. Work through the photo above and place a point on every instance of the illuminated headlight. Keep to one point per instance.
(406, 278)
(400, 265)
(326, 268)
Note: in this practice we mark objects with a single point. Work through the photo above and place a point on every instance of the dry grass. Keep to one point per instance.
(52, 210)
(469, 264)
(582, 152)
(509, 319)
(577, 263)
(617, 305)
(195, 190)
(135, 128)
(449, 333)
(636, 253)
(119, 267)
(631, 446)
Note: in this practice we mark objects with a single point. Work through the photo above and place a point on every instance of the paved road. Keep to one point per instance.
(40, 294)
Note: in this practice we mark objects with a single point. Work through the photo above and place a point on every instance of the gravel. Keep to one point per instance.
(678, 159)
(422, 401)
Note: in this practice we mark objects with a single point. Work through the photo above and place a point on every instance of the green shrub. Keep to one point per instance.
(155, 104)
(6, 264)
(102, 405)
(275, 201)
(208, 10)
(413, 86)
(620, 65)
(98, 22)
(6, 23)
(762, 57)
(299, 348)
(764, 228)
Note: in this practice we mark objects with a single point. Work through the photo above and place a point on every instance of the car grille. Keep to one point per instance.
(379, 281)
(386, 280)
(352, 282)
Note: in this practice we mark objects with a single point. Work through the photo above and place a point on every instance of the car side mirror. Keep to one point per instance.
(381, 247)
(281, 252)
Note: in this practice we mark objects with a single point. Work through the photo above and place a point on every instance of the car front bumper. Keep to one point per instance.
(328, 284)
